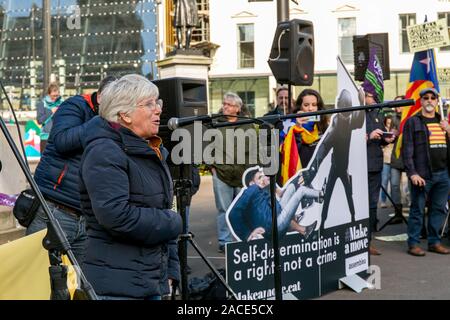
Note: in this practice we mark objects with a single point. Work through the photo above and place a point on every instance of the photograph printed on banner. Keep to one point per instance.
(322, 213)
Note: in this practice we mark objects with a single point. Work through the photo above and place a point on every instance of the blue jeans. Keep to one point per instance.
(385, 177)
(437, 191)
(74, 229)
(224, 195)
(396, 176)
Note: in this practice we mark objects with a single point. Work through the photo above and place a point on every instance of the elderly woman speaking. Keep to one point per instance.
(126, 196)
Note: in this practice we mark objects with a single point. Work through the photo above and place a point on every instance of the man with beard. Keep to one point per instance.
(426, 157)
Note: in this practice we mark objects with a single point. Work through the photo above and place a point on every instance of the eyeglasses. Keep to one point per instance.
(229, 104)
(429, 98)
(152, 105)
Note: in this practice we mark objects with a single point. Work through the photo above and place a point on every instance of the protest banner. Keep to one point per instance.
(428, 35)
(326, 204)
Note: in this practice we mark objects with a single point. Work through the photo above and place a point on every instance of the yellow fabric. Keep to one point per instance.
(24, 269)
(72, 276)
(291, 162)
(310, 137)
(155, 144)
(290, 159)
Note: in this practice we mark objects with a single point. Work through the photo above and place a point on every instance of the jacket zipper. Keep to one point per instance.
(61, 176)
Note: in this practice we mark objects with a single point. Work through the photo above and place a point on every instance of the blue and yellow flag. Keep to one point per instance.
(423, 75)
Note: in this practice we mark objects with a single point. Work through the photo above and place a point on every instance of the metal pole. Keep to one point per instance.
(275, 241)
(282, 15)
(282, 10)
(46, 16)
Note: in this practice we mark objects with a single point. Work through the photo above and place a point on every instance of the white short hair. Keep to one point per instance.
(234, 97)
(124, 94)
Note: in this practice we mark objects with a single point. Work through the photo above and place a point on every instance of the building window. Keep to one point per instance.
(201, 32)
(113, 38)
(346, 31)
(246, 46)
(406, 20)
(445, 15)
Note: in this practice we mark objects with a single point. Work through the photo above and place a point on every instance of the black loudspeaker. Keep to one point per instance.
(182, 97)
(292, 55)
(361, 49)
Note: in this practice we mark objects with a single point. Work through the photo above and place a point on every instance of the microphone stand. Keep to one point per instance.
(275, 118)
(55, 241)
(182, 186)
(398, 216)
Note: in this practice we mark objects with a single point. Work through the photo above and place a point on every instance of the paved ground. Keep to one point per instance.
(402, 276)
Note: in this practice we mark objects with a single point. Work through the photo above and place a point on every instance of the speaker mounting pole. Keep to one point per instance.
(282, 10)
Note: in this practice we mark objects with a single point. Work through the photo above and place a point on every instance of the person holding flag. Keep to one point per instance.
(374, 93)
(423, 75)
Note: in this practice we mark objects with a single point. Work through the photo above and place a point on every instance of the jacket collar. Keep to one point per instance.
(437, 115)
(131, 143)
(135, 145)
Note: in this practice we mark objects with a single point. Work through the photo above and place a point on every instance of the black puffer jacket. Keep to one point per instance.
(57, 174)
(126, 196)
(375, 120)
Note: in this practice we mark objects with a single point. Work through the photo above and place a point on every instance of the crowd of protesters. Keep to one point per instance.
(424, 159)
(104, 175)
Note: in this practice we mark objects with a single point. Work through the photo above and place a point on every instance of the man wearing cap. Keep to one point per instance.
(426, 158)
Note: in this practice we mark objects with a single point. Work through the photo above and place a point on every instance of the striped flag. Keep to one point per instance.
(423, 75)
(373, 78)
(290, 159)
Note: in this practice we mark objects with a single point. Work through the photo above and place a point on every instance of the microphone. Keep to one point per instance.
(175, 123)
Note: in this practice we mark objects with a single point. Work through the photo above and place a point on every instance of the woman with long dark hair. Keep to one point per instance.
(303, 137)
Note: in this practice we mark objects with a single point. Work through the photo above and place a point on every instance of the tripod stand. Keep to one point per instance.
(55, 241)
(182, 187)
(398, 216)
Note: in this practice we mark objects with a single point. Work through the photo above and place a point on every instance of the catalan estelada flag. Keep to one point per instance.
(291, 162)
(423, 75)
(290, 159)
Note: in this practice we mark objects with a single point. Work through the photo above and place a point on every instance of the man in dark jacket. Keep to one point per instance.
(227, 176)
(57, 174)
(397, 167)
(283, 107)
(426, 155)
(375, 140)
